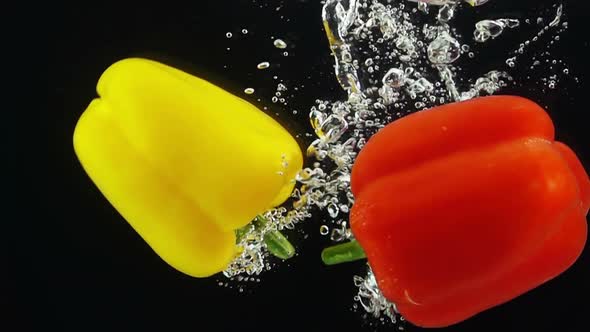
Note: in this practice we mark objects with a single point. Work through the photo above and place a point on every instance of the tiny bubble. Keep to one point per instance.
(279, 43)
(263, 65)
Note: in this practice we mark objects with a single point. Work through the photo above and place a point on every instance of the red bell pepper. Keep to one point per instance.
(466, 206)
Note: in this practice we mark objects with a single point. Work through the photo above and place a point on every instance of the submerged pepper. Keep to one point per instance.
(466, 206)
(183, 161)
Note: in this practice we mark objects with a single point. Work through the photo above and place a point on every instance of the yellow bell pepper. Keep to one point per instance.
(183, 161)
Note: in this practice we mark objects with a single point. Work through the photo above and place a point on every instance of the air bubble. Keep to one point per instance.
(444, 49)
(279, 43)
(333, 210)
(263, 65)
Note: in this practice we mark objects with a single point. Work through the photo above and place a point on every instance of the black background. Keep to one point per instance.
(83, 268)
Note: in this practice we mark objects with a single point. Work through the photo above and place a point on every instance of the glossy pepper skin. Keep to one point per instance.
(183, 161)
(466, 206)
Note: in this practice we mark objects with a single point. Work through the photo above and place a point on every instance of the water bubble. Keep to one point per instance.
(371, 299)
(394, 78)
(333, 210)
(403, 43)
(263, 65)
(244, 31)
(511, 62)
(387, 94)
(405, 58)
(279, 43)
(333, 127)
(317, 118)
(249, 91)
(344, 208)
(423, 7)
(419, 86)
(340, 234)
(446, 13)
(557, 18)
(487, 29)
(324, 230)
(228, 35)
(444, 49)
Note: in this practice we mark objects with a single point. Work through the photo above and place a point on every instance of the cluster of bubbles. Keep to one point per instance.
(392, 57)
(373, 302)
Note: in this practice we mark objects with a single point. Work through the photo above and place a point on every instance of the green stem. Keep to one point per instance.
(240, 232)
(276, 243)
(343, 253)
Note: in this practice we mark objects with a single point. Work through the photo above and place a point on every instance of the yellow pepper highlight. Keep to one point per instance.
(183, 161)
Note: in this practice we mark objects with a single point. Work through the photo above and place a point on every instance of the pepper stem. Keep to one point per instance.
(241, 232)
(276, 243)
(343, 253)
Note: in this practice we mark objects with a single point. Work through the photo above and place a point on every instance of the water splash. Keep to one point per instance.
(391, 61)
(392, 58)
(338, 16)
(371, 299)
